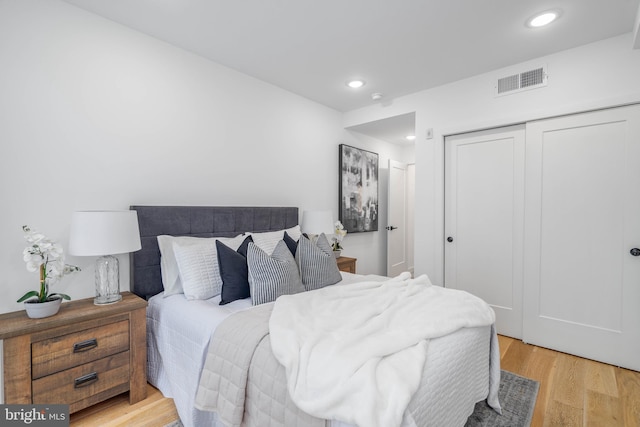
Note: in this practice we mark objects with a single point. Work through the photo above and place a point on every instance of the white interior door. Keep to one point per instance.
(582, 221)
(396, 225)
(411, 231)
(484, 196)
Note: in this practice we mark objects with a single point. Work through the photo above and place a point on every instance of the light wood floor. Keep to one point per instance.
(573, 392)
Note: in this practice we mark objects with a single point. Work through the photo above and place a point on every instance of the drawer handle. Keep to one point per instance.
(85, 380)
(79, 347)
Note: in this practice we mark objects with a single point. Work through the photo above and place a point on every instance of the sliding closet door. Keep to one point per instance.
(484, 220)
(582, 223)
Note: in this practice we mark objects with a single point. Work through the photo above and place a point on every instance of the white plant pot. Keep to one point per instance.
(38, 310)
(337, 254)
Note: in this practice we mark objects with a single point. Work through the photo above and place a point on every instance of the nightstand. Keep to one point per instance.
(81, 356)
(346, 264)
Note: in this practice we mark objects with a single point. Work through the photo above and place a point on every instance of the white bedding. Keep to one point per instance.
(178, 336)
(357, 352)
(178, 333)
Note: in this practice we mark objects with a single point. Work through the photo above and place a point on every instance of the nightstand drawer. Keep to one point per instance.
(56, 354)
(87, 380)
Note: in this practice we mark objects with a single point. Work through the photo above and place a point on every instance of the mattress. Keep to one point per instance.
(179, 331)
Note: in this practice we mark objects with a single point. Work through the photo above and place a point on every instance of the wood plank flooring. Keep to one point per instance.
(154, 411)
(573, 392)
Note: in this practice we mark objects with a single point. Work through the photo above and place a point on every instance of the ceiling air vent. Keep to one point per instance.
(526, 80)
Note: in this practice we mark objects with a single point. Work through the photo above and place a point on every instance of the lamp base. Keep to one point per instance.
(107, 280)
(105, 301)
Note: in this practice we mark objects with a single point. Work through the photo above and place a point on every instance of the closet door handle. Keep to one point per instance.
(449, 239)
(635, 252)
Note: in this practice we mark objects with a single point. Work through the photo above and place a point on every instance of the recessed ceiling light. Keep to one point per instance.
(542, 19)
(410, 137)
(355, 84)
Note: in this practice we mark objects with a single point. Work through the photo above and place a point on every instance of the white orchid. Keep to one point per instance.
(47, 257)
(31, 236)
(339, 233)
(33, 266)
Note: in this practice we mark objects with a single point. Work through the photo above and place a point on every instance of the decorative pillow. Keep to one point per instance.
(272, 276)
(197, 266)
(268, 241)
(291, 244)
(168, 266)
(318, 267)
(202, 249)
(294, 232)
(234, 271)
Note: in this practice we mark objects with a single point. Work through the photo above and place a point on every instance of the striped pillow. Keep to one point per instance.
(272, 276)
(318, 267)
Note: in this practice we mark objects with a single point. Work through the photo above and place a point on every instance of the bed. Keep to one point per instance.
(462, 367)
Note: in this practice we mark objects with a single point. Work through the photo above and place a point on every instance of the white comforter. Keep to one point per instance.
(362, 364)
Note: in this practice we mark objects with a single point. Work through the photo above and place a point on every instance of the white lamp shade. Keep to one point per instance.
(317, 222)
(97, 233)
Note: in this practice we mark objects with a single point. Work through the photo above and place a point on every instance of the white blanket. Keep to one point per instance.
(361, 363)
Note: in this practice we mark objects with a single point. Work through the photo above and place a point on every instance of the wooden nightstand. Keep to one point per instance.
(83, 355)
(347, 264)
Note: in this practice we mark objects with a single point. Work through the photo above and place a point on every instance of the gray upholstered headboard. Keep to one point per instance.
(197, 221)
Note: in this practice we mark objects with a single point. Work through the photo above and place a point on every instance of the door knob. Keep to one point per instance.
(635, 252)
(391, 227)
(449, 239)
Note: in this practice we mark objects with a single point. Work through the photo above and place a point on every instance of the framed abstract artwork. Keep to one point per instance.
(358, 190)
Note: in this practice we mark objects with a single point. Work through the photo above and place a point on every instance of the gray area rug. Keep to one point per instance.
(517, 398)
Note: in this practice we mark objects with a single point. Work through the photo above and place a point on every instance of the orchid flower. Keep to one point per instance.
(47, 257)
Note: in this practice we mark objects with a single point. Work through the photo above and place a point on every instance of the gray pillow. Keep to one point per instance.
(272, 276)
(318, 267)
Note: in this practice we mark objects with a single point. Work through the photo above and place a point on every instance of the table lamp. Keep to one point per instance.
(315, 223)
(105, 234)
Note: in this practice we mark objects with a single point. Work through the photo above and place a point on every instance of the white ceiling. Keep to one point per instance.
(312, 47)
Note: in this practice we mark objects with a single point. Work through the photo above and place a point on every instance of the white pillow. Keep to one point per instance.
(168, 264)
(198, 266)
(267, 241)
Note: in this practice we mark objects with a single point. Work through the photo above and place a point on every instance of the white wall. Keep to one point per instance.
(593, 76)
(96, 116)
(376, 263)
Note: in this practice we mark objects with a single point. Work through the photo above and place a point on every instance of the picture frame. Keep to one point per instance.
(358, 189)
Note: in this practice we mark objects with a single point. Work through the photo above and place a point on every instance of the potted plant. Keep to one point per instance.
(338, 235)
(47, 257)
